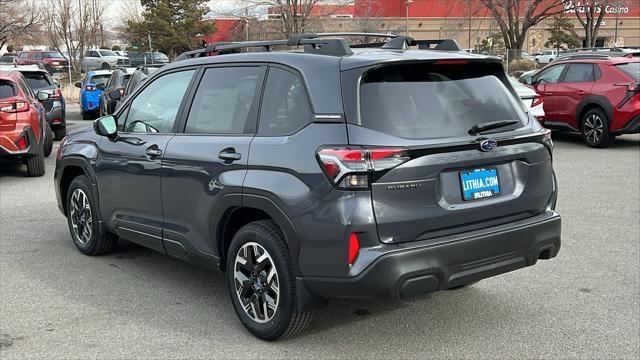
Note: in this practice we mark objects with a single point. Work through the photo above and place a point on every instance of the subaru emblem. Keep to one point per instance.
(488, 145)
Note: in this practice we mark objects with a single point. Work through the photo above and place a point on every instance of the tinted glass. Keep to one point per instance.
(285, 107)
(551, 75)
(52, 55)
(36, 56)
(107, 53)
(156, 107)
(631, 69)
(159, 56)
(99, 79)
(579, 73)
(6, 59)
(223, 101)
(7, 89)
(37, 80)
(434, 101)
(23, 55)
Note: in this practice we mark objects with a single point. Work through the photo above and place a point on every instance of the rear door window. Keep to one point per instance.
(224, 101)
(285, 106)
(551, 75)
(434, 101)
(7, 89)
(579, 72)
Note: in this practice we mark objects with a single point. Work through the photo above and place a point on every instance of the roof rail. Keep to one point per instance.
(324, 44)
(576, 56)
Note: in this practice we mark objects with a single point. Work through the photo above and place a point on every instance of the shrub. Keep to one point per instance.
(522, 65)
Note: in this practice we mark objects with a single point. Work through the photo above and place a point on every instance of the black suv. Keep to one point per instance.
(114, 89)
(337, 171)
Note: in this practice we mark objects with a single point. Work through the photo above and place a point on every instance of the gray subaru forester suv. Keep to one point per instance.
(328, 170)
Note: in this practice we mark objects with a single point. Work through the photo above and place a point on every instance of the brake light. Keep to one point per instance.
(536, 101)
(22, 142)
(14, 107)
(452, 62)
(351, 167)
(354, 248)
(57, 121)
(89, 88)
(57, 94)
(121, 91)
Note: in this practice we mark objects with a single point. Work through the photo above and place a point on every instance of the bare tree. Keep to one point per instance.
(516, 17)
(18, 18)
(75, 25)
(590, 14)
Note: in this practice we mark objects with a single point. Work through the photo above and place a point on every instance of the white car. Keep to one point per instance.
(546, 57)
(102, 59)
(531, 100)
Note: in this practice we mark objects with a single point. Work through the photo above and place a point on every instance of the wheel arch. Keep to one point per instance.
(590, 102)
(254, 208)
(70, 168)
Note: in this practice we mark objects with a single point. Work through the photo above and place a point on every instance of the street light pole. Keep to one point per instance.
(615, 36)
(406, 19)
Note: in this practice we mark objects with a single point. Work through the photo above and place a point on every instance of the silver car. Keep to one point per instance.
(102, 59)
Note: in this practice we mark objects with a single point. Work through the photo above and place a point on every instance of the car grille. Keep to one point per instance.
(122, 62)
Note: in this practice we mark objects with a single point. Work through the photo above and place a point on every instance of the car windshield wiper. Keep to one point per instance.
(478, 128)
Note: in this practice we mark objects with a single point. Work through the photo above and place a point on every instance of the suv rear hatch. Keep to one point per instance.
(444, 178)
(9, 105)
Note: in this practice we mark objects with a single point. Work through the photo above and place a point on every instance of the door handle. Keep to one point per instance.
(229, 155)
(153, 151)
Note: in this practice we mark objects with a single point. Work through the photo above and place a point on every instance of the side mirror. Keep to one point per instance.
(106, 126)
(528, 80)
(114, 94)
(78, 84)
(43, 96)
(100, 86)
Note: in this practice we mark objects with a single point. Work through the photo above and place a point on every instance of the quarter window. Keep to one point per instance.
(551, 76)
(155, 109)
(223, 102)
(579, 73)
(285, 106)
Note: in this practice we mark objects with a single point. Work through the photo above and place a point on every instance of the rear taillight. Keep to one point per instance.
(89, 88)
(14, 107)
(22, 142)
(536, 101)
(57, 94)
(351, 167)
(121, 91)
(354, 248)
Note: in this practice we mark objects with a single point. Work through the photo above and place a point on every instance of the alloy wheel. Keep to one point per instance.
(256, 282)
(81, 219)
(593, 128)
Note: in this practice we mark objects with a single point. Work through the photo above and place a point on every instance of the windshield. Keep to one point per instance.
(433, 101)
(52, 55)
(100, 79)
(107, 53)
(37, 80)
(631, 69)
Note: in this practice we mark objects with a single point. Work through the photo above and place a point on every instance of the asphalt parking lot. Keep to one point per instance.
(58, 303)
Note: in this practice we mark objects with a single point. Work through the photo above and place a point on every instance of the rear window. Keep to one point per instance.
(7, 89)
(159, 56)
(100, 79)
(631, 69)
(424, 101)
(37, 80)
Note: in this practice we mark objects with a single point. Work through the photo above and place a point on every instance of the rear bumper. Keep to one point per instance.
(409, 270)
(8, 148)
(632, 127)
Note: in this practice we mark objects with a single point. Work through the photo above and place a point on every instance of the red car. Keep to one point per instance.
(52, 61)
(24, 133)
(598, 97)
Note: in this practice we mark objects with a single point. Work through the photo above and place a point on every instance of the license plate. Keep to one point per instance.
(479, 183)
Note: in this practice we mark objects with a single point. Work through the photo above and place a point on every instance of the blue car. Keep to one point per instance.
(91, 87)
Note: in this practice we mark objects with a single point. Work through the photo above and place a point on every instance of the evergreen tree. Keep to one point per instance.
(562, 35)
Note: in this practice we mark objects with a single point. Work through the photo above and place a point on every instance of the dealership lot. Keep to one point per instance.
(57, 303)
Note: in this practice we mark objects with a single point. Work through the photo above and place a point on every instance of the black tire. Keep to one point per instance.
(285, 321)
(105, 66)
(48, 141)
(594, 127)
(35, 163)
(59, 133)
(98, 241)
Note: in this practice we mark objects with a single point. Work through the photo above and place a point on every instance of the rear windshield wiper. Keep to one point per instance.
(478, 128)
